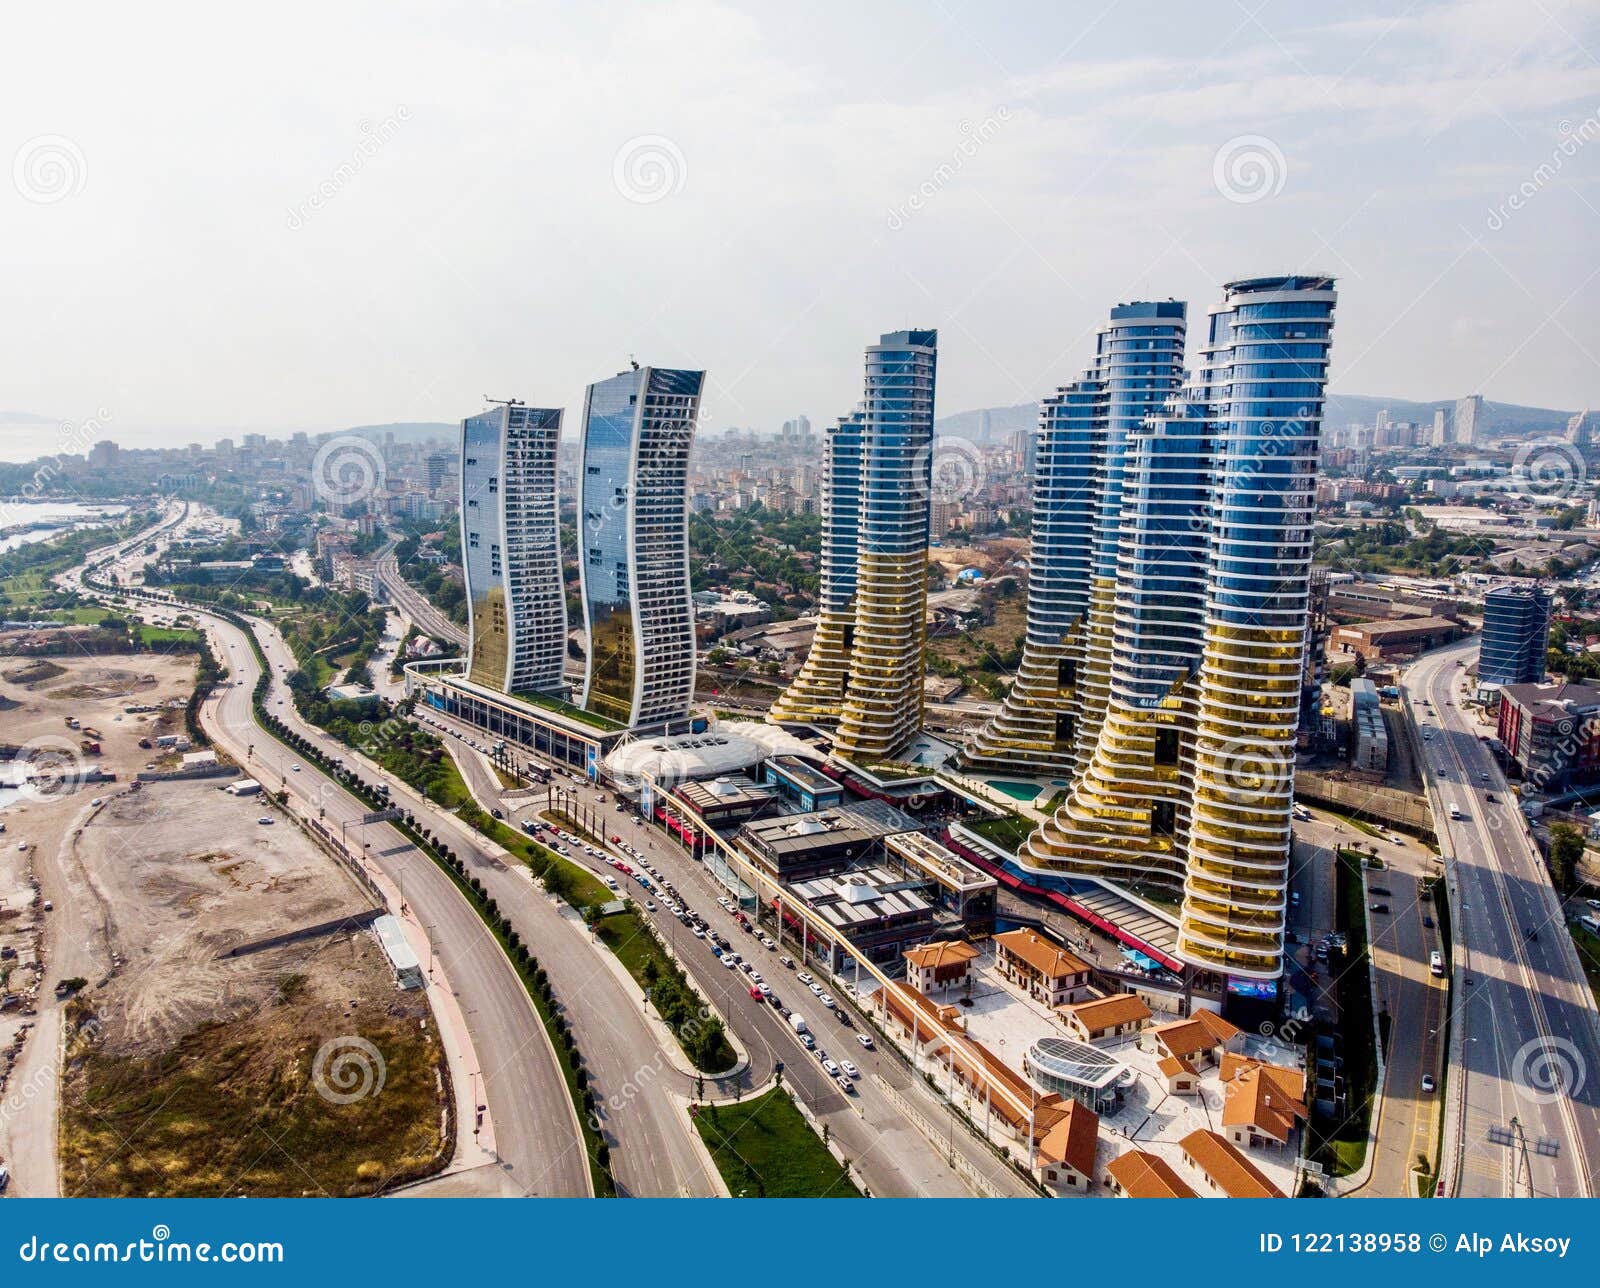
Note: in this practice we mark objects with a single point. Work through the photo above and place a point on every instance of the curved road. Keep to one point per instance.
(534, 1124)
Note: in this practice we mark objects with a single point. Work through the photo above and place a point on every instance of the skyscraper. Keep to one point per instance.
(816, 695)
(511, 549)
(1516, 635)
(866, 665)
(1180, 688)
(633, 534)
(438, 467)
(1468, 410)
(1265, 370)
(1055, 702)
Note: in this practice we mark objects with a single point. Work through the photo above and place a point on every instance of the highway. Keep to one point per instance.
(534, 1124)
(423, 615)
(1523, 1103)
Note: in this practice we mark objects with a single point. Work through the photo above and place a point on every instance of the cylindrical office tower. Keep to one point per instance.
(1122, 818)
(1265, 371)
(816, 694)
(883, 701)
(1033, 729)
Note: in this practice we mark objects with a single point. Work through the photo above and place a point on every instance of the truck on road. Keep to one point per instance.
(797, 1022)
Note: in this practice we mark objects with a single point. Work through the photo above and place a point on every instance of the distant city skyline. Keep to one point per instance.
(776, 183)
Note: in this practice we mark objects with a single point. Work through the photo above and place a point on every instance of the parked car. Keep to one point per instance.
(1428, 1083)
(866, 1040)
(1380, 907)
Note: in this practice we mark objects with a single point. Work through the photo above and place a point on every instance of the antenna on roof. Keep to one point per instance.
(633, 362)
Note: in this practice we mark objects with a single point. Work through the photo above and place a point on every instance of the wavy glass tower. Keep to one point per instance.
(1121, 818)
(1265, 367)
(816, 694)
(883, 698)
(511, 549)
(1051, 716)
(1033, 729)
(633, 535)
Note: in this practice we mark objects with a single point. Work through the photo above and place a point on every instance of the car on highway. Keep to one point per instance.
(816, 988)
(1379, 890)
(700, 934)
(787, 960)
(849, 1069)
(805, 978)
(1379, 907)
(831, 1067)
(865, 1039)
(1428, 1083)
(827, 1000)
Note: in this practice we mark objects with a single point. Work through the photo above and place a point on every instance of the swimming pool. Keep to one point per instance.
(1017, 791)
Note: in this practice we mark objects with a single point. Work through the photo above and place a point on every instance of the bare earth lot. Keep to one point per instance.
(183, 1070)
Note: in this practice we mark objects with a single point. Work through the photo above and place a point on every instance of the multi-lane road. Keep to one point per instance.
(1523, 1107)
(534, 1124)
(414, 606)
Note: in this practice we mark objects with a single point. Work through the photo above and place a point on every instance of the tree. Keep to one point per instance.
(1566, 850)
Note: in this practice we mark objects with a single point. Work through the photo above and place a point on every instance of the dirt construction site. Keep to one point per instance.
(222, 1018)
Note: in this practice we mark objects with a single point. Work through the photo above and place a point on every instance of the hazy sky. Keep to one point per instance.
(311, 216)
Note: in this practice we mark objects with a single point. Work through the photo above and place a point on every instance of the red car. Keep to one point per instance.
(756, 993)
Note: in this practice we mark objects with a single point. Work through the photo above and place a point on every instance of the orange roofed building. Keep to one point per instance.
(1262, 1103)
(1140, 1175)
(1041, 966)
(1227, 1172)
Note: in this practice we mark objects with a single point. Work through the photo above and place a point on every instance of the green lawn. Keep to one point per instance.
(765, 1149)
(642, 954)
(1008, 831)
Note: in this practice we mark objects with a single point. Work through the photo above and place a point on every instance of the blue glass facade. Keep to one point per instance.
(510, 547)
(633, 534)
(1516, 635)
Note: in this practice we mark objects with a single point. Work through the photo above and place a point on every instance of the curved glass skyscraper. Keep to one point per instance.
(816, 695)
(883, 700)
(1051, 717)
(865, 669)
(1265, 372)
(1188, 664)
(511, 549)
(633, 536)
